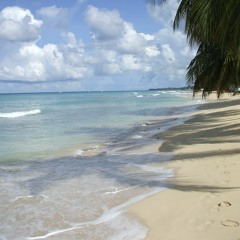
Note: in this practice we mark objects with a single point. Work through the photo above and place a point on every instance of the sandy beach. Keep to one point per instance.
(202, 199)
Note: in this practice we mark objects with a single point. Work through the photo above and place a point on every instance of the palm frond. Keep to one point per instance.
(214, 25)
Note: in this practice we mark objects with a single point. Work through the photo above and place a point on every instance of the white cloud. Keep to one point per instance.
(54, 16)
(23, 60)
(19, 25)
(188, 52)
(70, 38)
(148, 37)
(51, 62)
(158, 56)
(168, 53)
(105, 62)
(110, 31)
(174, 54)
(152, 51)
(117, 48)
(122, 49)
(50, 12)
(105, 24)
(130, 41)
(131, 62)
(108, 69)
(164, 13)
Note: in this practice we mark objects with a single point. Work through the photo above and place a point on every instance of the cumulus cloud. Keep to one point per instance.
(54, 16)
(105, 24)
(164, 13)
(168, 53)
(116, 49)
(175, 54)
(131, 62)
(51, 12)
(159, 57)
(48, 63)
(131, 41)
(152, 51)
(23, 60)
(19, 25)
(109, 30)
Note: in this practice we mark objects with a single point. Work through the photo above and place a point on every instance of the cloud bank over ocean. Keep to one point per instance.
(115, 52)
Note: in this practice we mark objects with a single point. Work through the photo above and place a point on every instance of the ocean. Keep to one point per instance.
(71, 163)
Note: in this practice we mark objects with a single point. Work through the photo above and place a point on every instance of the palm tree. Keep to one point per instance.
(211, 70)
(214, 25)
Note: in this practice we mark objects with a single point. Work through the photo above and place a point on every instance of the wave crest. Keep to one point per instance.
(19, 114)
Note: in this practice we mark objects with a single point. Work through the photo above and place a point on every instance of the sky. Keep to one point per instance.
(90, 45)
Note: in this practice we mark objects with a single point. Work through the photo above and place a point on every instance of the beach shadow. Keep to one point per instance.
(202, 131)
(38, 176)
(183, 186)
(54, 172)
(221, 103)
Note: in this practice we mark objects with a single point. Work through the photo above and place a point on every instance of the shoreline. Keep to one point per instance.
(201, 200)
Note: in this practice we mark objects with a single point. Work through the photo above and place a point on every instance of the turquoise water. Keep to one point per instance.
(71, 163)
(34, 126)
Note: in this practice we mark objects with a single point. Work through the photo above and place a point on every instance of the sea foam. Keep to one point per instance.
(19, 114)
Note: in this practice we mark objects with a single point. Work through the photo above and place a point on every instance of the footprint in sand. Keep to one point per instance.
(224, 204)
(220, 205)
(230, 223)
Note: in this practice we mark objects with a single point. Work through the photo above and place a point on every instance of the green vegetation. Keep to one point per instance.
(213, 26)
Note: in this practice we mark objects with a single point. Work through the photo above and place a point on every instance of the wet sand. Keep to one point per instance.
(202, 199)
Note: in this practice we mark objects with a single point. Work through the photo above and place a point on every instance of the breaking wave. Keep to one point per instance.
(19, 114)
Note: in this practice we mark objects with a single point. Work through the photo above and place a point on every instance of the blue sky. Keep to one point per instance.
(84, 45)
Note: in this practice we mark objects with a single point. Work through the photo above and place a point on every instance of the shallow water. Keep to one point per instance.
(75, 166)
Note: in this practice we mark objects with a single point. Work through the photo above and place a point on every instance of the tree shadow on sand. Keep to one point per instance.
(54, 172)
(42, 175)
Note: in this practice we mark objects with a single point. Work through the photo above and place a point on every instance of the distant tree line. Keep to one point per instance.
(171, 89)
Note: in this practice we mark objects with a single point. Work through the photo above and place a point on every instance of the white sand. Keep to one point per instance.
(202, 201)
